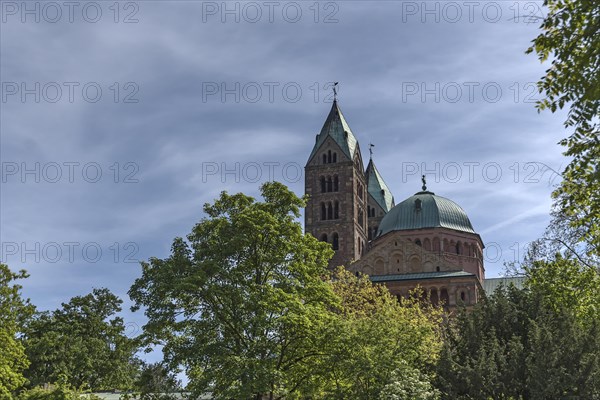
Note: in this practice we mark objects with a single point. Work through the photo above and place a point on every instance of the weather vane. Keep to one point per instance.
(371, 145)
(424, 187)
(335, 91)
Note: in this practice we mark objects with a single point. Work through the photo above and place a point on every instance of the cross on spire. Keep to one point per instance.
(371, 145)
(424, 187)
(335, 91)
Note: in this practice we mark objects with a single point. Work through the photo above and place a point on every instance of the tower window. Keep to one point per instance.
(329, 184)
(324, 158)
(336, 210)
(334, 158)
(329, 211)
(329, 156)
(336, 241)
(323, 212)
(418, 204)
(336, 183)
(323, 185)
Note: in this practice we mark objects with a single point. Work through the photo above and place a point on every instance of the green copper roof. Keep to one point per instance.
(335, 126)
(425, 210)
(491, 284)
(419, 276)
(375, 185)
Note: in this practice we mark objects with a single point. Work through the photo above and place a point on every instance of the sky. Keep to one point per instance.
(119, 120)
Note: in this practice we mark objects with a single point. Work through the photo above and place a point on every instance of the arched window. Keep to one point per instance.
(336, 183)
(329, 211)
(457, 247)
(324, 158)
(418, 242)
(335, 241)
(323, 212)
(323, 185)
(361, 217)
(329, 156)
(329, 184)
(334, 159)
(427, 244)
(336, 210)
(444, 298)
(323, 238)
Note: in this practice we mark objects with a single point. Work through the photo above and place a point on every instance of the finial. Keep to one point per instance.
(424, 187)
(335, 91)
(371, 145)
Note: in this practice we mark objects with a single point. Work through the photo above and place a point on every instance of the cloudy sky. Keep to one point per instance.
(120, 120)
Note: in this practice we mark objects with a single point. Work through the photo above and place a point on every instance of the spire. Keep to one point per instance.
(337, 128)
(377, 187)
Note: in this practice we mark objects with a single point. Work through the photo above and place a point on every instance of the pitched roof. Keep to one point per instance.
(419, 276)
(491, 284)
(336, 127)
(375, 186)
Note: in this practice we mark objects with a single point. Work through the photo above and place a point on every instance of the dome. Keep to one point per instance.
(425, 210)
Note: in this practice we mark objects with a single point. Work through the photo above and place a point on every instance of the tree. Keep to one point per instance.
(156, 382)
(541, 342)
(242, 305)
(571, 36)
(379, 340)
(409, 384)
(14, 310)
(83, 343)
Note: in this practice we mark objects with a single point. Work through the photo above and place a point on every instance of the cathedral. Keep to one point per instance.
(425, 240)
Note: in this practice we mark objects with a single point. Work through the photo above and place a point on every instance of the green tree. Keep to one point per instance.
(541, 342)
(571, 37)
(157, 382)
(14, 311)
(83, 341)
(377, 339)
(242, 305)
(409, 384)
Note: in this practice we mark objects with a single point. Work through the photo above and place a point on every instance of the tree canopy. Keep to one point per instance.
(571, 38)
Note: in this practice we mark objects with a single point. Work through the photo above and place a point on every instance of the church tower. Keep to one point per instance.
(335, 182)
(380, 198)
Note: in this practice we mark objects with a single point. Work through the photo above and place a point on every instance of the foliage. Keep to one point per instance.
(542, 342)
(83, 341)
(156, 382)
(378, 337)
(571, 36)
(243, 306)
(409, 384)
(14, 311)
(58, 391)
